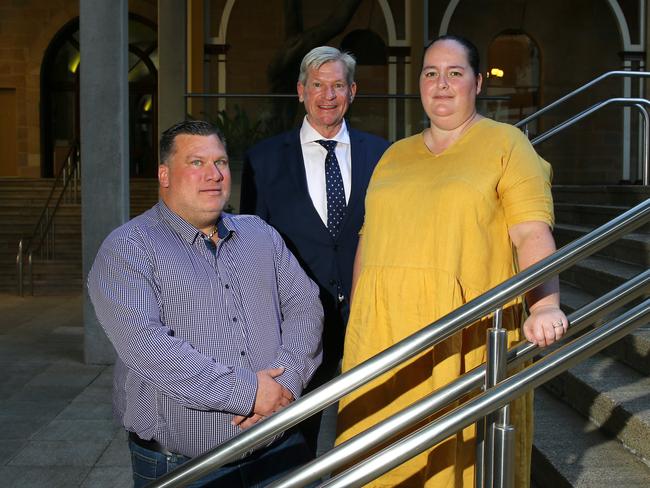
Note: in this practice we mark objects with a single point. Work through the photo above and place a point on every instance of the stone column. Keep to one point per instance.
(195, 57)
(104, 117)
(171, 62)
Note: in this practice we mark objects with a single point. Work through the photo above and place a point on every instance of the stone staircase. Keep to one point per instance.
(592, 424)
(21, 203)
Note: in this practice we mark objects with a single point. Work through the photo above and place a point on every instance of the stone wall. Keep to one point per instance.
(26, 30)
(578, 41)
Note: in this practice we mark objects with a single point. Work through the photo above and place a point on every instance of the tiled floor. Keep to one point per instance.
(56, 427)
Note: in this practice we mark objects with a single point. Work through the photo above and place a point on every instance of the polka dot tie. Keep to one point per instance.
(334, 187)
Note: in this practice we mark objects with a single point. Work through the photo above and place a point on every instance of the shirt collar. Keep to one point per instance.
(309, 134)
(225, 224)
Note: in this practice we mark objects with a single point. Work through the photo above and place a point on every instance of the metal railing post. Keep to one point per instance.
(504, 450)
(645, 169)
(19, 267)
(496, 370)
(52, 238)
(30, 271)
(480, 454)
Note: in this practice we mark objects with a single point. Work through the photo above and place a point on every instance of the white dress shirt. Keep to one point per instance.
(314, 154)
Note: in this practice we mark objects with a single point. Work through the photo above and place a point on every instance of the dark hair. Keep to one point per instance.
(190, 127)
(472, 52)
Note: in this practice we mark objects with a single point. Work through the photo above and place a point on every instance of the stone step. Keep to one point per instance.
(21, 204)
(573, 298)
(45, 288)
(24, 200)
(618, 195)
(18, 181)
(590, 215)
(632, 248)
(633, 349)
(599, 274)
(73, 221)
(60, 267)
(613, 396)
(33, 207)
(17, 190)
(569, 451)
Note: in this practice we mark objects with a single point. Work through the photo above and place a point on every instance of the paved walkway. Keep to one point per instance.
(56, 425)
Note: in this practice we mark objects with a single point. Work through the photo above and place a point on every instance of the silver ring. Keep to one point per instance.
(557, 325)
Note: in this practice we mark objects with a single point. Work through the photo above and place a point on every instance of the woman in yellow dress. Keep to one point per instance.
(450, 213)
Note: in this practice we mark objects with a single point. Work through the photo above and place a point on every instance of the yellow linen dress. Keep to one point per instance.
(436, 236)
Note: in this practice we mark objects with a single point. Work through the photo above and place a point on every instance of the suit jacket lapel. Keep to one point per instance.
(295, 163)
(358, 158)
(296, 166)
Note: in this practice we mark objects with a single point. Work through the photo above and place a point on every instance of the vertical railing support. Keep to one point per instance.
(19, 267)
(479, 465)
(644, 165)
(30, 271)
(496, 364)
(504, 450)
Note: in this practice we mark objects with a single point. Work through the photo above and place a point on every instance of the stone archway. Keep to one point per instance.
(622, 23)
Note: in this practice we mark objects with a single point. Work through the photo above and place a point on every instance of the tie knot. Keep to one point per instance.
(328, 145)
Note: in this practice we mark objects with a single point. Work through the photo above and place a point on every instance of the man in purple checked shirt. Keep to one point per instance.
(215, 324)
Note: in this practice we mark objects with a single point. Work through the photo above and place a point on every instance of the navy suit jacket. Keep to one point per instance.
(274, 186)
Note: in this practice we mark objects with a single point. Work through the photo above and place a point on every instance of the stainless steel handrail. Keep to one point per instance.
(388, 96)
(639, 103)
(541, 371)
(41, 235)
(409, 347)
(19, 267)
(471, 381)
(617, 73)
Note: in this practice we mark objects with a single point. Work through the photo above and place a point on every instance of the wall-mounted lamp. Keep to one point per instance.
(496, 72)
(73, 64)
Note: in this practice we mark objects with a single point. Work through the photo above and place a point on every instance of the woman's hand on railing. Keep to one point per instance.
(545, 325)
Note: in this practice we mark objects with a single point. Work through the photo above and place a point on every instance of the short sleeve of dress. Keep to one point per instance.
(525, 185)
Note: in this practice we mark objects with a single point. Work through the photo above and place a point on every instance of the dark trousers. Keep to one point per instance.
(336, 316)
(255, 471)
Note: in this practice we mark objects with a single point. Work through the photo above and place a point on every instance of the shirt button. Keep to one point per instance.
(227, 286)
(234, 319)
(243, 353)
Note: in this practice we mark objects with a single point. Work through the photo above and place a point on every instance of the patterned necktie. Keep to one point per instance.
(334, 187)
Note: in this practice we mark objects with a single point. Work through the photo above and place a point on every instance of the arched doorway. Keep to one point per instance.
(60, 97)
(513, 70)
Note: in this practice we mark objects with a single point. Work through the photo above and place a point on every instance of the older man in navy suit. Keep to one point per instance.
(310, 184)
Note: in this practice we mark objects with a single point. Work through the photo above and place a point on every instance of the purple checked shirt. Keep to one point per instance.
(192, 322)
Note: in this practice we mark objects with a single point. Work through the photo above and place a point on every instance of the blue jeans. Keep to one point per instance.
(255, 471)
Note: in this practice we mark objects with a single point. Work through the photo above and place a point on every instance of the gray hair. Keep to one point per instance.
(318, 56)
